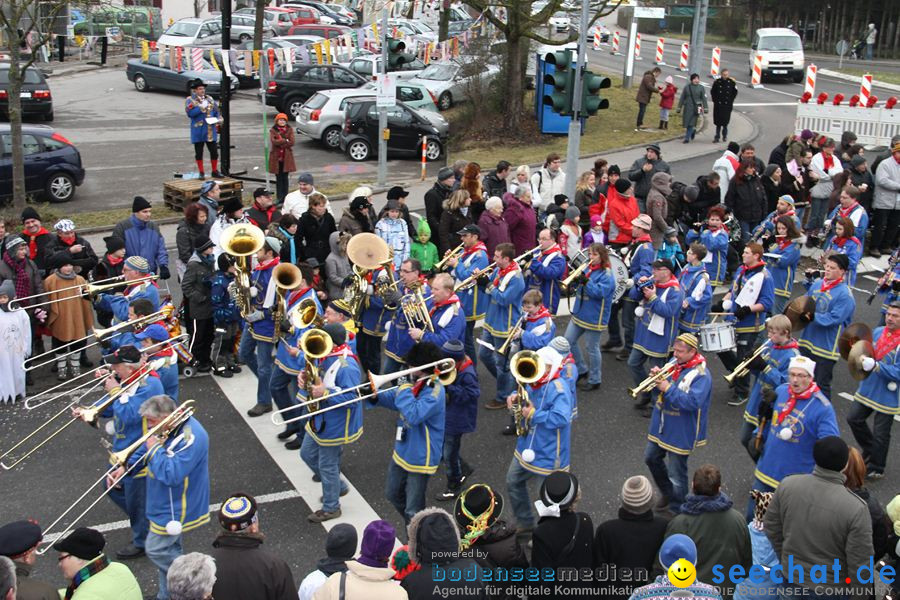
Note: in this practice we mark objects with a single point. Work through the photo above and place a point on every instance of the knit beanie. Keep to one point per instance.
(622, 185)
(30, 213)
(561, 345)
(573, 213)
(677, 546)
(377, 544)
(691, 193)
(140, 203)
(831, 453)
(637, 495)
(341, 541)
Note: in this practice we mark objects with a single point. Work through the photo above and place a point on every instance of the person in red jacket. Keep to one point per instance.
(622, 209)
(666, 102)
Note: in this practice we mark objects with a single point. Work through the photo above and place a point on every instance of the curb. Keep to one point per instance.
(875, 83)
(51, 71)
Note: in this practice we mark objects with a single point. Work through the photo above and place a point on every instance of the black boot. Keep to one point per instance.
(662, 124)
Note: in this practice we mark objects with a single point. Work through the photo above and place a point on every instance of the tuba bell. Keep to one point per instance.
(526, 367)
(366, 252)
(242, 241)
(287, 277)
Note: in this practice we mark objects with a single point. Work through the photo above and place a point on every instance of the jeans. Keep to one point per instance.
(636, 362)
(672, 481)
(325, 461)
(452, 459)
(162, 550)
(731, 359)
(595, 356)
(642, 110)
(818, 211)
(689, 133)
(280, 388)
(779, 305)
(258, 356)
(497, 365)
(875, 445)
(406, 491)
(471, 351)
(824, 371)
(723, 129)
(368, 347)
(885, 224)
(518, 481)
(131, 497)
(747, 228)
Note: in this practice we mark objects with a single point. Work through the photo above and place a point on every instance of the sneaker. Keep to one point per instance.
(216, 174)
(623, 354)
(610, 345)
(294, 444)
(61, 374)
(316, 478)
(875, 252)
(259, 410)
(344, 492)
(873, 475)
(589, 387)
(320, 516)
(129, 552)
(75, 371)
(494, 405)
(222, 373)
(737, 401)
(446, 495)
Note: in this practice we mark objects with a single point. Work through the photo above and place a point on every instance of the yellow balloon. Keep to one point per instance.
(682, 573)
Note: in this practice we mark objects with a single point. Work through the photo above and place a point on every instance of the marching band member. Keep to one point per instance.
(878, 393)
(568, 371)
(232, 212)
(845, 242)
(135, 267)
(259, 328)
(834, 309)
(373, 321)
(460, 418)
(474, 302)
(538, 328)
(780, 349)
(889, 285)
(678, 424)
(783, 208)
(715, 239)
(168, 375)
(593, 303)
(289, 361)
(751, 296)
(782, 259)
(419, 441)
(505, 291)
(545, 447)
(447, 315)
(548, 268)
(338, 312)
(328, 433)
(658, 324)
(849, 207)
(639, 257)
(399, 341)
(694, 282)
(141, 307)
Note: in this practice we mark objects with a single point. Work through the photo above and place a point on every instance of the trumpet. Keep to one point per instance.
(504, 348)
(87, 289)
(287, 277)
(473, 278)
(574, 275)
(651, 381)
(119, 459)
(744, 366)
(242, 241)
(526, 257)
(455, 253)
(445, 372)
(526, 367)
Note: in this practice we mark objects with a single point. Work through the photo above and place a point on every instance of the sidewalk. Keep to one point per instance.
(74, 65)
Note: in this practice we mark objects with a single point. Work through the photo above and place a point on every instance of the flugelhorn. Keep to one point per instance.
(574, 275)
(447, 256)
(87, 289)
(242, 241)
(744, 366)
(650, 382)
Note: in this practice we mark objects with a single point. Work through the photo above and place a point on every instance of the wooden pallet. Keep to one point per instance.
(178, 193)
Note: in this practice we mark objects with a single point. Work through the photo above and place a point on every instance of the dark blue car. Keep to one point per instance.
(52, 164)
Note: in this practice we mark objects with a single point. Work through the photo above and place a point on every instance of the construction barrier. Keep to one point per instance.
(714, 64)
(865, 90)
(810, 86)
(683, 61)
(873, 126)
(637, 47)
(756, 79)
(596, 39)
(660, 47)
(615, 44)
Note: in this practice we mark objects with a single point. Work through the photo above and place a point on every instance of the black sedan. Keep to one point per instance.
(37, 101)
(53, 166)
(149, 75)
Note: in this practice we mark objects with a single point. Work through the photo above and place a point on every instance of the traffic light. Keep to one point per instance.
(396, 56)
(563, 81)
(591, 101)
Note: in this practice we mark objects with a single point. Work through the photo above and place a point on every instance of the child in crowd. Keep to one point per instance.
(666, 102)
(70, 315)
(570, 236)
(671, 249)
(392, 229)
(226, 319)
(318, 283)
(595, 234)
(423, 250)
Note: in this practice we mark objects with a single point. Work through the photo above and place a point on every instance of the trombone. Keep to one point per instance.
(241, 241)
(87, 289)
(526, 367)
(445, 371)
(650, 383)
(119, 459)
(744, 366)
(455, 253)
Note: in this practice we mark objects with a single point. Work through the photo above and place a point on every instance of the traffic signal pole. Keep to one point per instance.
(573, 146)
(382, 111)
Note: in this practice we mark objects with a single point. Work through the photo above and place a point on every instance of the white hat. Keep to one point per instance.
(802, 362)
(552, 359)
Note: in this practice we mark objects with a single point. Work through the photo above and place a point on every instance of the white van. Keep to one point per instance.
(782, 53)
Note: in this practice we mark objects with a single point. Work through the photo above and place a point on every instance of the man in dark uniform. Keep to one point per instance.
(723, 93)
(18, 542)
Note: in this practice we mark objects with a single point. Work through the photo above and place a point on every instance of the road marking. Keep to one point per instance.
(213, 508)
(765, 104)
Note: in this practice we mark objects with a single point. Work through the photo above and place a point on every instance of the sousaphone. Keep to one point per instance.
(368, 251)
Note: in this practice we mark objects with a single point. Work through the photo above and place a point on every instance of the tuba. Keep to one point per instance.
(315, 344)
(526, 367)
(242, 241)
(367, 252)
(286, 277)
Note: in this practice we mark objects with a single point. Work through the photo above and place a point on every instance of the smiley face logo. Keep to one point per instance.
(682, 573)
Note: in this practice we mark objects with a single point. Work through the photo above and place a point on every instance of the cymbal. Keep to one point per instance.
(854, 359)
(368, 251)
(797, 309)
(852, 334)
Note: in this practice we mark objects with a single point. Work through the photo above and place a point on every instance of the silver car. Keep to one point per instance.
(243, 27)
(448, 81)
(369, 66)
(193, 32)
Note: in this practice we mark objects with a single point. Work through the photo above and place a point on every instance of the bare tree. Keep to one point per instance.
(259, 23)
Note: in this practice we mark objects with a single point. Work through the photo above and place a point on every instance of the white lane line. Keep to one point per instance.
(213, 508)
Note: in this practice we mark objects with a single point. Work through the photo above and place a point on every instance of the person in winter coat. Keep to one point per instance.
(666, 102)
(281, 155)
(771, 181)
(36, 236)
(67, 241)
(556, 212)
(263, 212)
(632, 540)
(337, 265)
(192, 227)
(586, 196)
(460, 416)
(285, 231)
(392, 229)
(297, 202)
(142, 237)
(494, 183)
(776, 156)
(570, 236)
(197, 289)
(861, 178)
(81, 553)
(622, 209)
(886, 204)
(547, 182)
(434, 201)
(825, 166)
(521, 221)
(471, 183)
(356, 217)
(457, 214)
(719, 531)
(645, 92)
(855, 473)
(226, 319)
(369, 576)
(108, 267)
(523, 177)
(15, 266)
(245, 569)
(70, 317)
(400, 195)
(727, 165)
(746, 198)
(692, 105)
(494, 228)
(434, 542)
(316, 226)
(422, 249)
(706, 193)
(723, 93)
(642, 172)
(674, 548)
(657, 206)
(340, 546)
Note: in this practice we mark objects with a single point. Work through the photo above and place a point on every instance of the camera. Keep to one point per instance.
(813, 274)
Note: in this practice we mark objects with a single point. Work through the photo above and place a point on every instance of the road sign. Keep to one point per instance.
(649, 12)
(387, 91)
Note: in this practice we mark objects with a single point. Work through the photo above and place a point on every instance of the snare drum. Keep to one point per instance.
(717, 337)
(620, 274)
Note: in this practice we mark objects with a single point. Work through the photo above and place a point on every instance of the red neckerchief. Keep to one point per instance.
(793, 398)
(67, 239)
(551, 250)
(826, 285)
(840, 241)
(462, 365)
(670, 283)
(513, 266)
(744, 270)
(784, 242)
(689, 364)
(475, 248)
(113, 260)
(32, 241)
(827, 161)
(132, 287)
(338, 351)
(541, 313)
(887, 342)
(298, 293)
(845, 212)
(417, 386)
(454, 299)
(166, 352)
(546, 378)
(569, 359)
(791, 344)
(596, 267)
(643, 238)
(269, 264)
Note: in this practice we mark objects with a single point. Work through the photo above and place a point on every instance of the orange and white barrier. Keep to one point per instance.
(683, 61)
(660, 47)
(424, 158)
(596, 39)
(615, 44)
(637, 47)
(865, 90)
(756, 78)
(716, 61)
(810, 85)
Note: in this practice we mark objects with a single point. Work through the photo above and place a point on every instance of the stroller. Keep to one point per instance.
(858, 50)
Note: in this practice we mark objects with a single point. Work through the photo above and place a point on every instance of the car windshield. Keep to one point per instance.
(31, 76)
(438, 72)
(422, 27)
(183, 29)
(780, 42)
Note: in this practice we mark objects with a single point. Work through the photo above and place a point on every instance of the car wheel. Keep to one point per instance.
(358, 150)
(432, 150)
(60, 187)
(445, 101)
(49, 116)
(293, 106)
(243, 38)
(331, 137)
(140, 84)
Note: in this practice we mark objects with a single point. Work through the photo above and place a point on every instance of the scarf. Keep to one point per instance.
(541, 313)
(454, 299)
(698, 504)
(297, 294)
(67, 238)
(642, 239)
(269, 264)
(475, 248)
(793, 398)
(513, 266)
(549, 376)
(845, 212)
(733, 160)
(89, 570)
(32, 241)
(840, 241)
(596, 267)
(791, 344)
(670, 283)
(887, 342)
(828, 285)
(114, 260)
(462, 365)
(827, 162)
(745, 271)
(342, 350)
(290, 239)
(23, 287)
(551, 250)
(783, 241)
(689, 364)
(62, 275)
(282, 131)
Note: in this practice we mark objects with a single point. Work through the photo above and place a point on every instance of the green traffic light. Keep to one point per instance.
(591, 101)
(562, 80)
(396, 58)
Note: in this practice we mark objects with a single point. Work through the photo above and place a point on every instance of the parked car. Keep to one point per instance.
(413, 28)
(343, 10)
(148, 75)
(288, 91)
(52, 163)
(193, 32)
(359, 137)
(299, 40)
(326, 12)
(322, 116)
(137, 21)
(278, 20)
(36, 99)
(560, 22)
(319, 29)
(246, 80)
(370, 66)
(302, 15)
(448, 81)
(243, 28)
(602, 29)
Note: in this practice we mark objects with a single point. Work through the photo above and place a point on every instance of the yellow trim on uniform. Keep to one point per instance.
(333, 441)
(590, 326)
(832, 356)
(649, 353)
(413, 468)
(888, 410)
(667, 447)
(198, 522)
(261, 338)
(751, 419)
(538, 470)
(286, 369)
(394, 356)
(753, 329)
(765, 479)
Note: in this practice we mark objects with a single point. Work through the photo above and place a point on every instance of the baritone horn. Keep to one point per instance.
(287, 277)
(241, 241)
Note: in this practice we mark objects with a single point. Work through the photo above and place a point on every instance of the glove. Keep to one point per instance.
(392, 296)
(717, 307)
(629, 283)
(868, 363)
(767, 407)
(41, 315)
(164, 272)
(207, 281)
(256, 315)
(895, 285)
(286, 327)
(727, 305)
(742, 312)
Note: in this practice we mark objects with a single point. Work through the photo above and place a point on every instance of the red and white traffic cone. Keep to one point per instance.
(865, 90)
(596, 39)
(714, 65)
(637, 47)
(810, 86)
(756, 79)
(660, 47)
(683, 61)
(615, 44)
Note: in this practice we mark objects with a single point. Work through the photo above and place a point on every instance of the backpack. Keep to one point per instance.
(675, 202)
